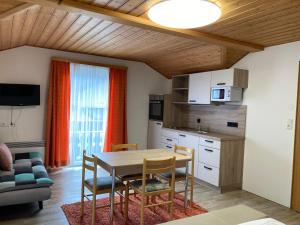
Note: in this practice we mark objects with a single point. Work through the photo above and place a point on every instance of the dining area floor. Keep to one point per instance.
(67, 186)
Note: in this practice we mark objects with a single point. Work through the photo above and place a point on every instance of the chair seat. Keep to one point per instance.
(131, 176)
(152, 185)
(179, 173)
(103, 183)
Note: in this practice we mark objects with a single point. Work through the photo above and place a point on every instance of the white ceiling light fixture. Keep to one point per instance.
(184, 14)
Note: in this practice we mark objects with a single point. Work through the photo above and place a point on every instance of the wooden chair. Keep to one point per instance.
(126, 178)
(154, 187)
(123, 147)
(179, 173)
(97, 185)
(126, 147)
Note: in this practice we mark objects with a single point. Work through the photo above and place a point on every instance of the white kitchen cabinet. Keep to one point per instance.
(210, 156)
(154, 134)
(190, 141)
(209, 161)
(217, 162)
(167, 146)
(168, 139)
(170, 133)
(209, 174)
(199, 88)
(230, 77)
(210, 142)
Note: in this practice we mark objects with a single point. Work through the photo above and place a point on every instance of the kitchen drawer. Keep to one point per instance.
(170, 133)
(169, 140)
(210, 143)
(208, 174)
(210, 156)
(167, 146)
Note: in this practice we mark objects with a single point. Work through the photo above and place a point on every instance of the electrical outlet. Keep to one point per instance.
(232, 124)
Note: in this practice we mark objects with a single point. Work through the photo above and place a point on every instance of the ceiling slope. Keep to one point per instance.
(120, 29)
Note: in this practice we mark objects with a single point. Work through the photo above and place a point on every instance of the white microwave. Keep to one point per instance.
(226, 94)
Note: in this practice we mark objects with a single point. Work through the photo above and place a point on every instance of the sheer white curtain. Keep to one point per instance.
(89, 105)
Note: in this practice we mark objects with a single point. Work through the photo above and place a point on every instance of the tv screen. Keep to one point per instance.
(19, 94)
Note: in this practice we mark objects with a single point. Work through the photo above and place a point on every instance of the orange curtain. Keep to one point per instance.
(58, 115)
(116, 131)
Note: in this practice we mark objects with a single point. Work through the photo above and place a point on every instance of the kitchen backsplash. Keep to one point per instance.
(213, 118)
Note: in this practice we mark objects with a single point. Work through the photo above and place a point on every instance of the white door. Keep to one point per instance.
(190, 141)
(199, 88)
(154, 134)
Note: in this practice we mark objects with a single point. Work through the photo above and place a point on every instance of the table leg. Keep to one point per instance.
(113, 174)
(186, 184)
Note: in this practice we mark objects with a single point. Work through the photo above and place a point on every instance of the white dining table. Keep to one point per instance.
(131, 162)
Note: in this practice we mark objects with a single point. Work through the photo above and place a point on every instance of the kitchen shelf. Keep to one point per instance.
(180, 81)
(180, 87)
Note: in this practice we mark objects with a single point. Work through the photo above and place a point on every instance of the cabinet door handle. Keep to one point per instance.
(158, 123)
(192, 100)
(208, 168)
(182, 135)
(209, 141)
(221, 83)
(168, 139)
(168, 146)
(208, 150)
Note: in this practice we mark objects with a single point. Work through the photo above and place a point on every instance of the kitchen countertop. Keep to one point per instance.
(211, 135)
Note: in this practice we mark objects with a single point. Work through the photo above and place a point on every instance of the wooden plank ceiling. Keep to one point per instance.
(264, 22)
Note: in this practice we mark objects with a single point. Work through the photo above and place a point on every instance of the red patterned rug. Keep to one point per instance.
(152, 216)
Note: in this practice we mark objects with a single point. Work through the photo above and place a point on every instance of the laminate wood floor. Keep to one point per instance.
(67, 190)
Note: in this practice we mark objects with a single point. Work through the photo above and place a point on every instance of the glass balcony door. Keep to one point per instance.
(88, 110)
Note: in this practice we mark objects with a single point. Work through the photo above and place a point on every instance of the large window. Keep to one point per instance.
(89, 105)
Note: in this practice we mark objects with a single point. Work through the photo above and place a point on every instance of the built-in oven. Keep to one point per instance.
(156, 107)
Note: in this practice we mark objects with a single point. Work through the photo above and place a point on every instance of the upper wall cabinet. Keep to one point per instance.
(199, 88)
(230, 77)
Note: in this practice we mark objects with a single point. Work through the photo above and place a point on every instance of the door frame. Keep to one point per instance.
(295, 197)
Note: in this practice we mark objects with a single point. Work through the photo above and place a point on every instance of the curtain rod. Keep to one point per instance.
(88, 63)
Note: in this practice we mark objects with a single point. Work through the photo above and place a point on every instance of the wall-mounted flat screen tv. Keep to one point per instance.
(19, 94)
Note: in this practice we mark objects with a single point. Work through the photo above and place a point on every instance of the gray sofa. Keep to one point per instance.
(27, 182)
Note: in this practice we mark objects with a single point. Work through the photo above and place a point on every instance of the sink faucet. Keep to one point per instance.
(199, 127)
(198, 124)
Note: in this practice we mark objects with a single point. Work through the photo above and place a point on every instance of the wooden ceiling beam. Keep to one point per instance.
(23, 7)
(126, 19)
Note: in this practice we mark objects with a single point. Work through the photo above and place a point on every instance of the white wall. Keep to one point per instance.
(271, 99)
(31, 65)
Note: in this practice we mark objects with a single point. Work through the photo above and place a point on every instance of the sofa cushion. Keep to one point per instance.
(28, 172)
(6, 160)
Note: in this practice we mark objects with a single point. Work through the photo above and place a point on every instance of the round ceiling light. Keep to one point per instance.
(184, 14)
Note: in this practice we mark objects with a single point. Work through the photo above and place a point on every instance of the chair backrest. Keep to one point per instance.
(188, 152)
(123, 147)
(89, 163)
(157, 166)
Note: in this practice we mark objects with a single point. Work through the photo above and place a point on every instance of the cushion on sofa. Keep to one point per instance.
(6, 160)
(28, 172)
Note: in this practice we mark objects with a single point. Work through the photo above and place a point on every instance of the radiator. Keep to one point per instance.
(27, 146)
